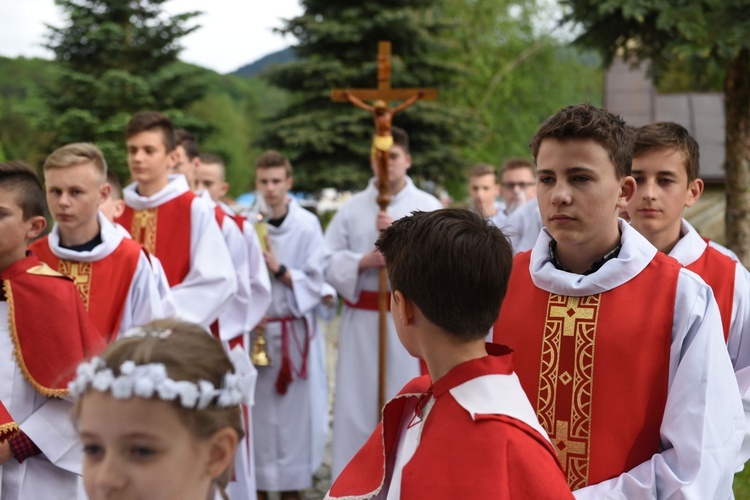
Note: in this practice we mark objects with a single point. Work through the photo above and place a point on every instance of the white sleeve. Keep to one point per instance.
(260, 281)
(233, 319)
(307, 281)
(342, 263)
(739, 349)
(211, 281)
(162, 285)
(143, 303)
(703, 423)
(51, 429)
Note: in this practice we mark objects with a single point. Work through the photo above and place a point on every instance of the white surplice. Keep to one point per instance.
(690, 248)
(143, 303)
(282, 424)
(160, 277)
(350, 235)
(260, 281)
(47, 422)
(523, 226)
(211, 280)
(703, 424)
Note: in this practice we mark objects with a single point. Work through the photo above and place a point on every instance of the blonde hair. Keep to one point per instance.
(189, 353)
(75, 154)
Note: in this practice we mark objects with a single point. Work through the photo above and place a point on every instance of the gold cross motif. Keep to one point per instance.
(563, 445)
(143, 228)
(81, 273)
(570, 313)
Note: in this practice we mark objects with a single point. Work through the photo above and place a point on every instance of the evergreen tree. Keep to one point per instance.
(116, 58)
(329, 143)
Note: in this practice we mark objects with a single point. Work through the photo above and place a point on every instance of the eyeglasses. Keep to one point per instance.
(513, 185)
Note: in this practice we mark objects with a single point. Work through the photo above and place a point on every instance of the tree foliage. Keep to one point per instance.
(328, 142)
(517, 72)
(116, 58)
(708, 31)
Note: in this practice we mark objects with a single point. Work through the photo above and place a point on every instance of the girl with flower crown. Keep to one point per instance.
(159, 414)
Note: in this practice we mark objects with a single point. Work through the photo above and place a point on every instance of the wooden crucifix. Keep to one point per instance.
(381, 146)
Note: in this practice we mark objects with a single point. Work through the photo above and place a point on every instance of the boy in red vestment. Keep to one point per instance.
(666, 163)
(44, 333)
(466, 430)
(618, 347)
(171, 222)
(112, 273)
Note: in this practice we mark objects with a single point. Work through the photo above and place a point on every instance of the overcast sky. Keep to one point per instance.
(232, 34)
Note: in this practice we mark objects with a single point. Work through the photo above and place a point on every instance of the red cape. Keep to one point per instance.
(489, 456)
(49, 326)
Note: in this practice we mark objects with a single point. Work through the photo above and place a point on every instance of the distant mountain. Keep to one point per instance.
(257, 67)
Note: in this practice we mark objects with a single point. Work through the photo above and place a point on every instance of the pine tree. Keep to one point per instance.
(116, 58)
(328, 142)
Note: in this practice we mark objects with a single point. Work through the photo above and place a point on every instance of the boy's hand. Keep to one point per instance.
(271, 262)
(384, 220)
(5, 452)
(372, 259)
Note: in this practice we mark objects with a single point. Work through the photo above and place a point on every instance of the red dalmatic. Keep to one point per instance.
(717, 270)
(164, 231)
(104, 285)
(595, 368)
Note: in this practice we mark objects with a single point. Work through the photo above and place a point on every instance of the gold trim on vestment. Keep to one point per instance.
(45, 391)
(143, 228)
(575, 317)
(8, 431)
(82, 274)
(42, 269)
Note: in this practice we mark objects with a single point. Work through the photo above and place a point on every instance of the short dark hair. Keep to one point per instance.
(274, 159)
(452, 264)
(584, 121)
(185, 139)
(114, 182)
(18, 177)
(669, 135)
(144, 121)
(482, 169)
(400, 138)
(517, 164)
(213, 159)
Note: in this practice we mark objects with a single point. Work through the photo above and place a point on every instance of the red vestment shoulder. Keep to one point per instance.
(104, 285)
(164, 231)
(49, 326)
(595, 368)
(458, 456)
(718, 271)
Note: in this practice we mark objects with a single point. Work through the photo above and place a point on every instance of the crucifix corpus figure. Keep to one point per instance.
(381, 147)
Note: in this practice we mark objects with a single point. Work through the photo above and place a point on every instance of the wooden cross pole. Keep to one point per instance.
(381, 145)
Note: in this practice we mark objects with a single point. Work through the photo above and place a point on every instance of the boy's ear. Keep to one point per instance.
(404, 308)
(119, 208)
(627, 191)
(223, 444)
(37, 225)
(224, 189)
(104, 192)
(695, 189)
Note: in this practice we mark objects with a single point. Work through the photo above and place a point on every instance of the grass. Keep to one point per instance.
(741, 484)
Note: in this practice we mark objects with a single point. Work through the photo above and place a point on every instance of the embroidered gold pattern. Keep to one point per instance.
(143, 228)
(82, 275)
(570, 327)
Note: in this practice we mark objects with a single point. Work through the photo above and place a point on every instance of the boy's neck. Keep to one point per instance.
(446, 352)
(8, 259)
(151, 188)
(580, 260)
(395, 187)
(281, 209)
(666, 240)
(79, 236)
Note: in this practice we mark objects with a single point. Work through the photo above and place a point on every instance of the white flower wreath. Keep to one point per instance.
(151, 380)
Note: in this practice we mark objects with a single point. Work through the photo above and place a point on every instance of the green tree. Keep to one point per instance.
(328, 142)
(713, 31)
(518, 73)
(116, 58)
